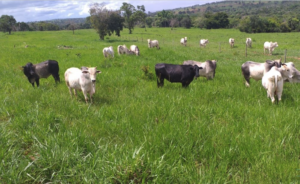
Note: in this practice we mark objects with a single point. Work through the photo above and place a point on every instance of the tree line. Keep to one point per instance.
(256, 17)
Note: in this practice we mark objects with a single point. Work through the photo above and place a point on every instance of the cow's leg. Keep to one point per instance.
(56, 77)
(70, 90)
(75, 93)
(37, 82)
(32, 83)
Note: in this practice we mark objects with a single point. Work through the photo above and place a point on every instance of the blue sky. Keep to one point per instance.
(32, 10)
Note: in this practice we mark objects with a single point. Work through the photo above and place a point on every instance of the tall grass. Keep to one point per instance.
(214, 131)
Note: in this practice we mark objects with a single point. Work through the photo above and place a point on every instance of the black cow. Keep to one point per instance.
(176, 73)
(41, 70)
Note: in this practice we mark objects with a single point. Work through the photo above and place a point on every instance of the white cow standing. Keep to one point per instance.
(122, 49)
(249, 42)
(231, 42)
(153, 43)
(270, 46)
(83, 80)
(273, 80)
(108, 51)
(203, 42)
(134, 49)
(183, 41)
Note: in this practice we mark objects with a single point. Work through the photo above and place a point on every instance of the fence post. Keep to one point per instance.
(285, 56)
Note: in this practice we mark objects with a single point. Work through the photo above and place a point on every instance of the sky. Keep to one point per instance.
(32, 10)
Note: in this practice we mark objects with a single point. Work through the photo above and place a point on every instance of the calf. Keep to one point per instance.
(184, 74)
(183, 41)
(209, 67)
(122, 49)
(249, 42)
(108, 51)
(231, 42)
(272, 81)
(83, 80)
(270, 46)
(135, 49)
(256, 70)
(41, 70)
(153, 43)
(203, 42)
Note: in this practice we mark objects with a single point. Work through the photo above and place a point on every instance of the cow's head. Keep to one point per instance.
(287, 72)
(93, 72)
(28, 69)
(196, 69)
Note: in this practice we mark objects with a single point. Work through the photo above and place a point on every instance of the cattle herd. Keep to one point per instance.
(273, 73)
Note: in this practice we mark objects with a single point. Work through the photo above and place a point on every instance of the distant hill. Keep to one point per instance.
(280, 9)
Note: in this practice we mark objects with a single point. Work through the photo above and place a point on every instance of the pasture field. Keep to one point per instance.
(215, 131)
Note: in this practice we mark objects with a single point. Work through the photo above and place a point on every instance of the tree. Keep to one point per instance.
(72, 26)
(7, 23)
(127, 11)
(140, 15)
(149, 21)
(105, 21)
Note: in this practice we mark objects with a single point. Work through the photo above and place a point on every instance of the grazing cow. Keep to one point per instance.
(83, 80)
(122, 49)
(231, 42)
(41, 70)
(183, 41)
(249, 42)
(272, 81)
(209, 67)
(295, 73)
(153, 43)
(270, 46)
(203, 42)
(135, 49)
(108, 51)
(256, 70)
(184, 74)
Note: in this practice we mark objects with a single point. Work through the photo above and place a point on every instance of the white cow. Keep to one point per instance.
(231, 42)
(153, 43)
(249, 42)
(108, 51)
(203, 42)
(183, 41)
(209, 67)
(272, 81)
(122, 49)
(270, 46)
(295, 73)
(135, 49)
(256, 70)
(83, 80)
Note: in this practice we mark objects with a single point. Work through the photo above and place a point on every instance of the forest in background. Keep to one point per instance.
(247, 16)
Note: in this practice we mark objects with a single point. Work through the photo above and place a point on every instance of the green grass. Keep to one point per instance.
(214, 131)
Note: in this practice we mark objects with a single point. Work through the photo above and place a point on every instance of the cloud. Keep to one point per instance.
(33, 10)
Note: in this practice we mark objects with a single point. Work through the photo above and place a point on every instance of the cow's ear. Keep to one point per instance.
(98, 71)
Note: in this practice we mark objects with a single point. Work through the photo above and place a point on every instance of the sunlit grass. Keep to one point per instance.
(214, 131)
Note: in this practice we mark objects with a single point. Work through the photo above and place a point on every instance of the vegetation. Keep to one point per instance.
(105, 21)
(214, 131)
(6, 23)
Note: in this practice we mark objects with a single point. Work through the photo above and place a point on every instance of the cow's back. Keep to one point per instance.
(47, 68)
